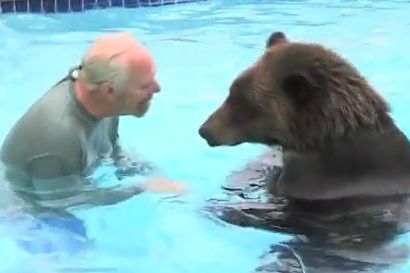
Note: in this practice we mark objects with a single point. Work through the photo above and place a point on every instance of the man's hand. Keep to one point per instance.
(161, 185)
(128, 167)
(111, 196)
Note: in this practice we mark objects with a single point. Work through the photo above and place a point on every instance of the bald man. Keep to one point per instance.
(57, 144)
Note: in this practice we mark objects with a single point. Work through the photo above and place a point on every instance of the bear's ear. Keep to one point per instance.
(275, 38)
(299, 88)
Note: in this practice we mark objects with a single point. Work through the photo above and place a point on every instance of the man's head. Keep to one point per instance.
(117, 76)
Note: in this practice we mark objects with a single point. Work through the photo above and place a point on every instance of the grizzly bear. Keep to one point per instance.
(345, 162)
(337, 136)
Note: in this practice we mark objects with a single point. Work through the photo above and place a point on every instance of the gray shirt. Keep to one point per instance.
(54, 145)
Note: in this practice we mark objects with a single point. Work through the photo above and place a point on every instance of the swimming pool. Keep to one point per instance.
(199, 49)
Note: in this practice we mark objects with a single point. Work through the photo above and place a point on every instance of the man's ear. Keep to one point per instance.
(275, 38)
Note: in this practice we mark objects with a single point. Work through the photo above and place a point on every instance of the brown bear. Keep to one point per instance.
(345, 176)
(337, 136)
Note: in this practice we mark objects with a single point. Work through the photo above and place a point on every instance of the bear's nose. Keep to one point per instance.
(204, 132)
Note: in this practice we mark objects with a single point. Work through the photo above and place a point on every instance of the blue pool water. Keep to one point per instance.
(199, 49)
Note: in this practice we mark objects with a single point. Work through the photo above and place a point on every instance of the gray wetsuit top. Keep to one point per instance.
(49, 150)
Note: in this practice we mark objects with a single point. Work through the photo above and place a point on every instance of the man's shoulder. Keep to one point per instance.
(47, 106)
(44, 128)
(53, 101)
(59, 151)
(46, 117)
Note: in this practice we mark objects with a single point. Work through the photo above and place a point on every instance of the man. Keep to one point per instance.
(57, 144)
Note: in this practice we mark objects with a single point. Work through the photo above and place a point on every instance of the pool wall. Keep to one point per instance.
(65, 6)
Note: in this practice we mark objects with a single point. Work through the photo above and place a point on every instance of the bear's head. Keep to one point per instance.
(297, 95)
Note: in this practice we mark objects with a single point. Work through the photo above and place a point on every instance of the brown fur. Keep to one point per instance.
(335, 129)
(345, 178)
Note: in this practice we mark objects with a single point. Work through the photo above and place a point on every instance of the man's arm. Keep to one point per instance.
(126, 165)
(55, 183)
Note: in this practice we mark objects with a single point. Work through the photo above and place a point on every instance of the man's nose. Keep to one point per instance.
(157, 87)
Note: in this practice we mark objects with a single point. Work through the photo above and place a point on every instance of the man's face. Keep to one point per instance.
(141, 87)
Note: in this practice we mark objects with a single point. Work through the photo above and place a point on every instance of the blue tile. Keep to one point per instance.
(155, 3)
(49, 6)
(22, 6)
(76, 5)
(7, 7)
(145, 3)
(117, 3)
(62, 6)
(131, 3)
(89, 4)
(103, 3)
(34, 6)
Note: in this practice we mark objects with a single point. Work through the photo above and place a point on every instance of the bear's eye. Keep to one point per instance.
(238, 84)
(241, 99)
(241, 93)
(243, 83)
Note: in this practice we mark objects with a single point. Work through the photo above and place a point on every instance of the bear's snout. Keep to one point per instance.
(205, 133)
(219, 130)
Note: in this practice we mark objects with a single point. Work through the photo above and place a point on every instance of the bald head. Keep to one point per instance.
(111, 56)
(120, 46)
(119, 70)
